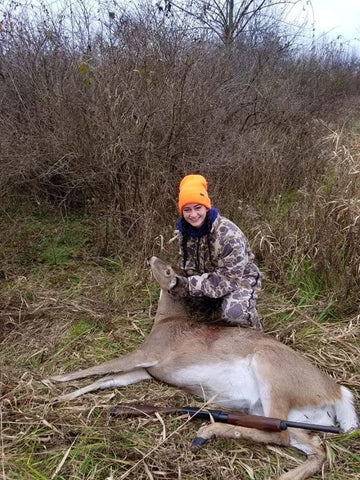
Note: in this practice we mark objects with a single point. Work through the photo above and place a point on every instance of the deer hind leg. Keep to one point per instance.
(310, 445)
(129, 362)
(111, 381)
(276, 409)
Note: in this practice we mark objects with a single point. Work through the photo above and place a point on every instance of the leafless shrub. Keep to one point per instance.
(104, 117)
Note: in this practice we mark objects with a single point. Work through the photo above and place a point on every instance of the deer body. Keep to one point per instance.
(232, 367)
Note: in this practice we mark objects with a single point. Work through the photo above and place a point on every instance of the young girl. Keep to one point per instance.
(215, 256)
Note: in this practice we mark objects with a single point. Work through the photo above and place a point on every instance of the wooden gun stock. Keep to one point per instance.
(244, 420)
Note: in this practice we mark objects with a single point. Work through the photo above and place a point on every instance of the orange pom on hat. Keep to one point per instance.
(193, 189)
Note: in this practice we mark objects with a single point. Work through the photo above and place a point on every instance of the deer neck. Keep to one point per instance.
(169, 306)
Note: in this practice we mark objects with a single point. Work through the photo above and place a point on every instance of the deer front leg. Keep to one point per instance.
(131, 361)
(303, 441)
(111, 381)
(209, 432)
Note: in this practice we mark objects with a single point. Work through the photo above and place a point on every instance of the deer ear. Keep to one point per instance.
(173, 283)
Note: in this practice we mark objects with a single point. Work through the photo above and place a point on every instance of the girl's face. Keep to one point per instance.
(195, 214)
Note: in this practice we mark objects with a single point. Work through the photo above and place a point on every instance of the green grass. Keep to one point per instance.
(303, 277)
(286, 201)
(82, 327)
(40, 237)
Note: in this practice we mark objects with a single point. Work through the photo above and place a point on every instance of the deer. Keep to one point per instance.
(235, 368)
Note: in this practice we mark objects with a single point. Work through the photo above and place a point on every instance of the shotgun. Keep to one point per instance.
(234, 418)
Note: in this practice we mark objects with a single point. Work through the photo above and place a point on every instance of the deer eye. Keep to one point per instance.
(168, 272)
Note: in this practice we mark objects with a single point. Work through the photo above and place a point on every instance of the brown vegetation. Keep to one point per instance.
(107, 123)
(97, 127)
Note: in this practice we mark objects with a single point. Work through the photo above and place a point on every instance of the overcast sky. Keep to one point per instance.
(337, 20)
(337, 17)
(331, 17)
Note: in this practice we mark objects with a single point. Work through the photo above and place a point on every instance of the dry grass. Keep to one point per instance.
(47, 330)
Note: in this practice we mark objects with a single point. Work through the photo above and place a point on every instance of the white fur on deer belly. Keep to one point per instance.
(229, 385)
(321, 415)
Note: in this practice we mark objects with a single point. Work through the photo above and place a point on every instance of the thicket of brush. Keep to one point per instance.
(99, 121)
(105, 122)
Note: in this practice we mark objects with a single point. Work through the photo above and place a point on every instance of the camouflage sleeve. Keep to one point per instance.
(229, 272)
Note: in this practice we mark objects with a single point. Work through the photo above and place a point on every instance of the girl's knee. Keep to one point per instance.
(236, 315)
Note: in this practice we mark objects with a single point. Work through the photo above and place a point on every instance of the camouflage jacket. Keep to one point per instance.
(220, 262)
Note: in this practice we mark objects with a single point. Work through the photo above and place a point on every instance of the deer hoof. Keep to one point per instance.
(200, 442)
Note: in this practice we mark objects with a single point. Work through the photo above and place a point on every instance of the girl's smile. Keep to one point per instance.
(195, 214)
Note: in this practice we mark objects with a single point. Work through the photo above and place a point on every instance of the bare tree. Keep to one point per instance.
(227, 19)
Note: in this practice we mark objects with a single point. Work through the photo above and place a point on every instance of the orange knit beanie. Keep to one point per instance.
(193, 189)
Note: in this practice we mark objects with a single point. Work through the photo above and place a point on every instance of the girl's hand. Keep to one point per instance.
(181, 289)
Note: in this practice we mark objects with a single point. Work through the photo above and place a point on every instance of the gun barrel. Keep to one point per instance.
(310, 426)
